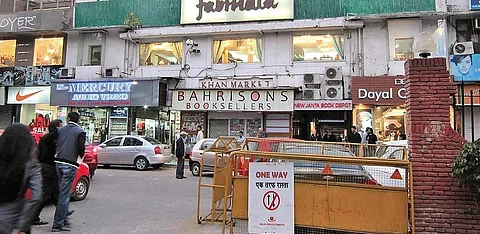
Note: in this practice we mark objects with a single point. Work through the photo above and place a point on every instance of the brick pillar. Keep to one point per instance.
(440, 204)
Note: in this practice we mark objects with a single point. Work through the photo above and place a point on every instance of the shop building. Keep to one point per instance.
(115, 107)
(379, 103)
(467, 111)
(32, 51)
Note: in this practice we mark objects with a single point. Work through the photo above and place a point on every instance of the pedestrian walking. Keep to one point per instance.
(19, 171)
(199, 133)
(180, 153)
(354, 138)
(70, 146)
(46, 156)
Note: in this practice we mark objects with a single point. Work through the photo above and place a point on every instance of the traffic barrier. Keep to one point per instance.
(334, 189)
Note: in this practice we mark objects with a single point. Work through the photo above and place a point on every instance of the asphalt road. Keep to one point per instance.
(123, 200)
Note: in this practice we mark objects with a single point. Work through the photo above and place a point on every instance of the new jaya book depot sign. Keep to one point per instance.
(233, 100)
(217, 11)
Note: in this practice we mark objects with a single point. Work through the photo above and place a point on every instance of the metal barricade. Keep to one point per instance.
(335, 190)
(222, 180)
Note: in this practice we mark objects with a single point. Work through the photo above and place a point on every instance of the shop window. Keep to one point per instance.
(238, 51)
(132, 142)
(403, 49)
(318, 48)
(158, 54)
(48, 51)
(114, 142)
(7, 53)
(95, 55)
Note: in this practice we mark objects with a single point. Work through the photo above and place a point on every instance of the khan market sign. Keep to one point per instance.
(379, 90)
(218, 11)
(236, 83)
(323, 105)
(105, 93)
(233, 100)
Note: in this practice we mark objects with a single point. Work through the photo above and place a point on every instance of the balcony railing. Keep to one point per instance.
(34, 5)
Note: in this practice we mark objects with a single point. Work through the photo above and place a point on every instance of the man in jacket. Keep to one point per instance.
(46, 156)
(70, 146)
(371, 140)
(180, 153)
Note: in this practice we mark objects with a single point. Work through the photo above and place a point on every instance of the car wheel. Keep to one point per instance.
(156, 166)
(81, 189)
(195, 169)
(141, 163)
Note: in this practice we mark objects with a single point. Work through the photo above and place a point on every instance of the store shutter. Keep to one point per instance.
(218, 127)
(278, 125)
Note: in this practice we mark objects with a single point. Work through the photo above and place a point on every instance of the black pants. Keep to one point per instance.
(180, 167)
(50, 186)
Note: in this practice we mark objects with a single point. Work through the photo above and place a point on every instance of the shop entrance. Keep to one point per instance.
(321, 125)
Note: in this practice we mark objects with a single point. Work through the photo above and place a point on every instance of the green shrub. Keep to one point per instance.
(467, 168)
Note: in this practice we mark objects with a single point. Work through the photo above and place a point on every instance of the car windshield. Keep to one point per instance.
(152, 141)
(316, 150)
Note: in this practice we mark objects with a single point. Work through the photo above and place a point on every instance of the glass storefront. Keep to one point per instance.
(388, 122)
(39, 116)
(48, 51)
(7, 53)
(94, 122)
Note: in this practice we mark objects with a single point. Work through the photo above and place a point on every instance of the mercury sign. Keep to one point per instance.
(211, 11)
(233, 100)
(105, 93)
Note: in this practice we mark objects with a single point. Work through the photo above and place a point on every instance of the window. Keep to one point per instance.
(48, 51)
(132, 142)
(164, 53)
(318, 48)
(95, 55)
(206, 145)
(7, 53)
(114, 142)
(152, 141)
(403, 49)
(238, 51)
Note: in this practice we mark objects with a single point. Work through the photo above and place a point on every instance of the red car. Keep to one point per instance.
(81, 184)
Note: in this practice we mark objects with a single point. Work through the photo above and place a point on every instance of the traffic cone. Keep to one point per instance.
(396, 175)
(327, 170)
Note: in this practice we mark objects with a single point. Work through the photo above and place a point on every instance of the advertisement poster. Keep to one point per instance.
(465, 68)
(271, 198)
(364, 119)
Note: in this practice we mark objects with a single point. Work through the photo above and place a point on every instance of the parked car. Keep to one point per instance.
(196, 157)
(91, 157)
(394, 151)
(139, 151)
(81, 183)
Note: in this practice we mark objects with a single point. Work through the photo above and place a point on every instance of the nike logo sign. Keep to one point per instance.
(20, 97)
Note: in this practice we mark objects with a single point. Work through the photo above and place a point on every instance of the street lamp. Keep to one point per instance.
(424, 44)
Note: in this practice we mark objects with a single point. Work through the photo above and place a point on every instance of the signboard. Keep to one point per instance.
(119, 112)
(215, 11)
(322, 105)
(29, 95)
(379, 90)
(233, 100)
(474, 5)
(467, 99)
(105, 93)
(247, 83)
(271, 198)
(465, 67)
(31, 21)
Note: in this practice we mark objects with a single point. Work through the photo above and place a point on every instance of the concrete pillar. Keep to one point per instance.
(440, 204)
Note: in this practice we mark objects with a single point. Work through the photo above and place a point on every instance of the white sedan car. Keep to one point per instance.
(138, 151)
(391, 150)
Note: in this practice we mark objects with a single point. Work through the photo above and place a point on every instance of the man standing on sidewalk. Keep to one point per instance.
(180, 153)
(70, 146)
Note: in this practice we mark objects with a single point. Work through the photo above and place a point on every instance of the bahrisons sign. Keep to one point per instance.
(233, 100)
(216, 11)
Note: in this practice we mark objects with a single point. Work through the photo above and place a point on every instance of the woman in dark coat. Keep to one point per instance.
(19, 171)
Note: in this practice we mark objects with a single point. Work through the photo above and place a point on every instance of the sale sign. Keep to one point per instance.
(271, 198)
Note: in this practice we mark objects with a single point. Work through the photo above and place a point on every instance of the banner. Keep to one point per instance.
(465, 67)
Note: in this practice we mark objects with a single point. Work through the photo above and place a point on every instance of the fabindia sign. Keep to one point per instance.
(217, 11)
(233, 100)
(105, 93)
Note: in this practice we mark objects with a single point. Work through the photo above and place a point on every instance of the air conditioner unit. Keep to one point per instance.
(311, 78)
(333, 73)
(463, 48)
(67, 73)
(311, 94)
(333, 92)
(112, 72)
